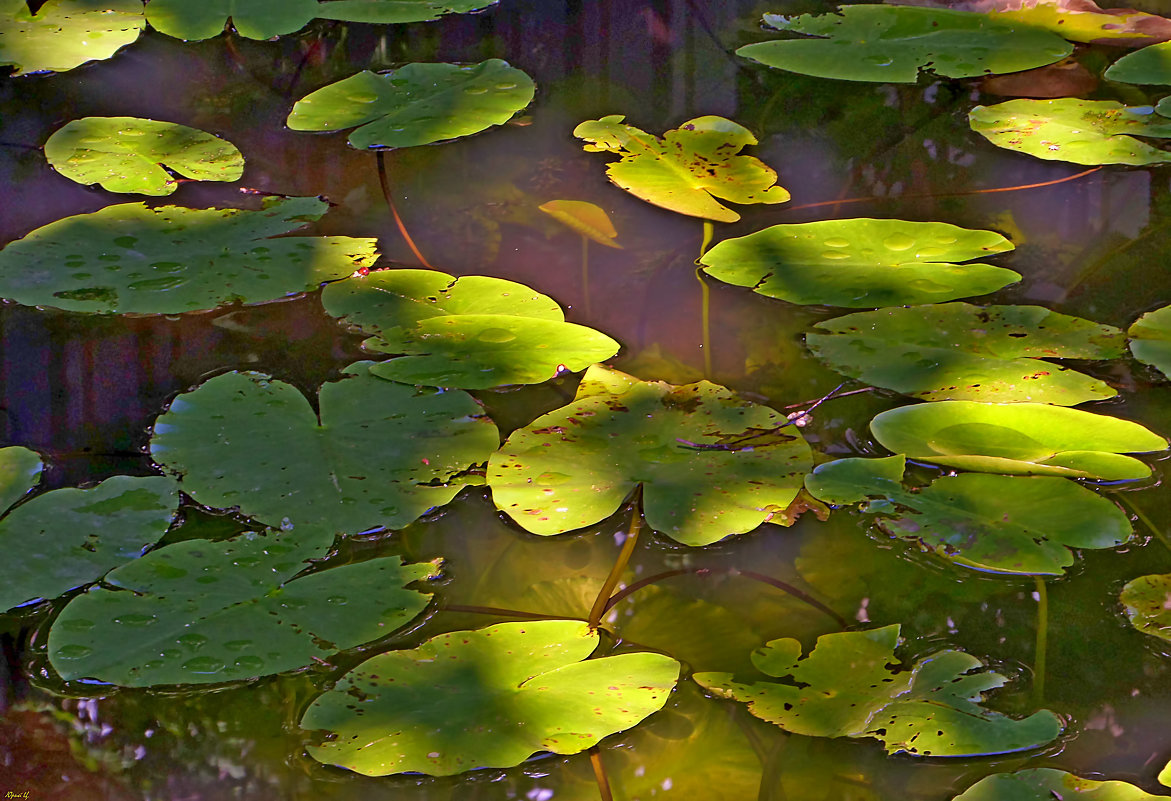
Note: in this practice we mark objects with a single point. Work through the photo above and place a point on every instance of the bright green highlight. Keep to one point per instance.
(65, 34)
(1046, 784)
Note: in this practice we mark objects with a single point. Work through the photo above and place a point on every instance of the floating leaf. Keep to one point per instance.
(711, 464)
(20, 469)
(64, 34)
(1001, 524)
(170, 259)
(1151, 65)
(254, 19)
(417, 104)
(587, 219)
(956, 351)
(1046, 784)
(472, 332)
(1150, 339)
(1069, 129)
(393, 11)
(846, 687)
(891, 44)
(198, 612)
(486, 698)
(1085, 21)
(1018, 438)
(377, 453)
(128, 154)
(688, 168)
(861, 263)
(1148, 604)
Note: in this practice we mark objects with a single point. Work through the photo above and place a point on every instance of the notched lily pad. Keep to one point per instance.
(1046, 784)
(64, 34)
(711, 464)
(956, 351)
(1147, 600)
(1018, 438)
(848, 687)
(1150, 339)
(689, 168)
(486, 698)
(200, 612)
(472, 332)
(999, 524)
(131, 258)
(861, 263)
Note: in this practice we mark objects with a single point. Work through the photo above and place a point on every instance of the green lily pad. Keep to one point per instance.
(1000, 524)
(711, 464)
(956, 351)
(846, 687)
(472, 332)
(200, 612)
(1018, 438)
(1069, 129)
(486, 698)
(417, 104)
(688, 168)
(1147, 600)
(20, 470)
(377, 454)
(1150, 339)
(861, 263)
(394, 11)
(1150, 65)
(891, 44)
(131, 258)
(64, 34)
(128, 154)
(1046, 784)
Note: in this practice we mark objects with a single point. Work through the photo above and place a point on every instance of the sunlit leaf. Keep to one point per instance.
(688, 168)
(891, 44)
(170, 259)
(956, 351)
(1150, 339)
(20, 469)
(1046, 784)
(1069, 129)
(254, 19)
(198, 612)
(861, 263)
(391, 11)
(1018, 438)
(588, 219)
(711, 464)
(1151, 65)
(64, 34)
(1000, 524)
(1147, 600)
(128, 154)
(377, 453)
(417, 104)
(846, 687)
(1086, 21)
(472, 332)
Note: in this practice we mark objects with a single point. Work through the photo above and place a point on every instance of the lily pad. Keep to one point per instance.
(64, 34)
(131, 258)
(1150, 339)
(486, 698)
(1086, 21)
(1046, 784)
(588, 219)
(890, 44)
(688, 168)
(846, 687)
(861, 263)
(376, 454)
(394, 11)
(128, 154)
(956, 351)
(1000, 524)
(1150, 65)
(200, 612)
(1069, 129)
(711, 464)
(20, 469)
(1147, 600)
(1018, 438)
(417, 104)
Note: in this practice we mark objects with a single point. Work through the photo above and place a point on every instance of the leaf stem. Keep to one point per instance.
(385, 183)
(706, 323)
(600, 775)
(1146, 521)
(1042, 647)
(601, 603)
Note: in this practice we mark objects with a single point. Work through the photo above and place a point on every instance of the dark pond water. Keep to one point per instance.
(84, 390)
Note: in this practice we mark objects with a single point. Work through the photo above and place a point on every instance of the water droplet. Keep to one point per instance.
(237, 645)
(879, 60)
(504, 85)
(76, 624)
(74, 652)
(899, 242)
(250, 663)
(192, 641)
(929, 253)
(362, 97)
(339, 600)
(551, 479)
(166, 266)
(945, 239)
(204, 665)
(496, 335)
(475, 90)
(136, 620)
(125, 241)
(836, 242)
(157, 284)
(834, 255)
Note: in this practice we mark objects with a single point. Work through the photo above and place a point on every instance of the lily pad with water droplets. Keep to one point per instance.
(1018, 438)
(472, 332)
(396, 11)
(1047, 784)
(486, 698)
(376, 454)
(1079, 131)
(711, 464)
(131, 258)
(199, 612)
(689, 168)
(890, 44)
(1024, 525)
(1147, 600)
(64, 34)
(1150, 339)
(417, 104)
(956, 351)
(1150, 65)
(847, 687)
(861, 263)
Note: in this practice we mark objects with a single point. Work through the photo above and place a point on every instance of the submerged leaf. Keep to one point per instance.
(1150, 339)
(588, 219)
(1147, 600)
(711, 464)
(861, 263)
(1046, 784)
(846, 687)
(688, 168)
(200, 612)
(486, 698)
(64, 34)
